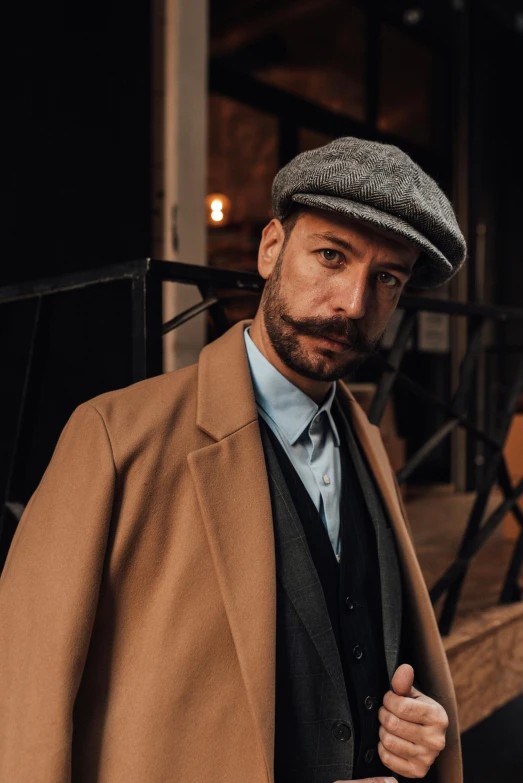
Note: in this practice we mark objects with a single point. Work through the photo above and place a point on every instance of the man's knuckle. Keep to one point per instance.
(389, 742)
(409, 771)
(384, 717)
(403, 710)
(385, 755)
(438, 743)
(393, 723)
(419, 766)
(429, 758)
(444, 721)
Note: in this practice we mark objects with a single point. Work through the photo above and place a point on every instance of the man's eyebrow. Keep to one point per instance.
(336, 240)
(404, 269)
(395, 266)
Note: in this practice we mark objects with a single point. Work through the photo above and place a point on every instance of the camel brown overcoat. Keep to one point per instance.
(137, 604)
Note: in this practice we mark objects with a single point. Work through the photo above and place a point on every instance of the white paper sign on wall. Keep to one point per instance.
(433, 332)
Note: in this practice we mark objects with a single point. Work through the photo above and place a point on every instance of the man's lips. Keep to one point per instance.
(332, 338)
(336, 339)
(333, 343)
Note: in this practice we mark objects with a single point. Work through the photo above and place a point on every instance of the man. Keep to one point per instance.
(214, 579)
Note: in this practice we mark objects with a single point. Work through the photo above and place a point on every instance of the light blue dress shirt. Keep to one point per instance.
(306, 431)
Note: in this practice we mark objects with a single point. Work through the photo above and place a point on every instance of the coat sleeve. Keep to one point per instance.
(48, 597)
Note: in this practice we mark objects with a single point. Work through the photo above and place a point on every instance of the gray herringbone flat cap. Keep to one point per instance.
(381, 185)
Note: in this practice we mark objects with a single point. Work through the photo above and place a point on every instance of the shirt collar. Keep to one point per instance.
(289, 407)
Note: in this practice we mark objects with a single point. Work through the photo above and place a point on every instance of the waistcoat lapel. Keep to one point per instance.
(390, 579)
(296, 570)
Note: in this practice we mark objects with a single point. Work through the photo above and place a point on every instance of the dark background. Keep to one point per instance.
(76, 184)
(76, 188)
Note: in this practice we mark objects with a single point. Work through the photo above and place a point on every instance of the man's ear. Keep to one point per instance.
(272, 239)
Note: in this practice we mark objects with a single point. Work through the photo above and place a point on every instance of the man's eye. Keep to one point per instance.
(387, 279)
(329, 255)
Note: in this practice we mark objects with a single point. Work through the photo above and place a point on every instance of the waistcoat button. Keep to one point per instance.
(357, 652)
(349, 604)
(369, 755)
(370, 702)
(341, 731)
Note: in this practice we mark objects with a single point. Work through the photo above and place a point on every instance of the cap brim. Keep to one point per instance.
(430, 270)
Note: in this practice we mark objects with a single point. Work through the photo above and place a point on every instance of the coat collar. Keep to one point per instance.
(231, 484)
(225, 395)
(370, 439)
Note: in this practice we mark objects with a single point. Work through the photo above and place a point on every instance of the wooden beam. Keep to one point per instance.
(485, 655)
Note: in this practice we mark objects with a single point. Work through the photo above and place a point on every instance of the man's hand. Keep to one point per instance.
(370, 780)
(413, 726)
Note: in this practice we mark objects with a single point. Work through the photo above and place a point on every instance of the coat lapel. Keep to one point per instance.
(370, 439)
(230, 479)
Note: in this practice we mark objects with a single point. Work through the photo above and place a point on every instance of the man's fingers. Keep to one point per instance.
(408, 768)
(412, 732)
(404, 748)
(403, 680)
(422, 710)
(429, 737)
(370, 780)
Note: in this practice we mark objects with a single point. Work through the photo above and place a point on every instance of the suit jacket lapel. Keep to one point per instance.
(390, 579)
(231, 485)
(296, 570)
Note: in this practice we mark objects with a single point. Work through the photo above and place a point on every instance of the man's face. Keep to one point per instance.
(330, 292)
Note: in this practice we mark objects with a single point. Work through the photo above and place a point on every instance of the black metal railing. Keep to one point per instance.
(479, 526)
(146, 277)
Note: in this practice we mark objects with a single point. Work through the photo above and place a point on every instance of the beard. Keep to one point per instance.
(284, 332)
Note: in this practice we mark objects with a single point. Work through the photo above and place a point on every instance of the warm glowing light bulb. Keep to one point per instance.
(218, 209)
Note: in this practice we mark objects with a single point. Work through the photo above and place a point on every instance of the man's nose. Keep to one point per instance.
(352, 294)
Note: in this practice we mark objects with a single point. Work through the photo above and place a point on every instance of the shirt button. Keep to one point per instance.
(326, 479)
(349, 604)
(369, 755)
(357, 652)
(370, 701)
(341, 731)
(317, 418)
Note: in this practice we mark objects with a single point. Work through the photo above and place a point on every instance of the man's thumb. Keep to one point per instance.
(403, 680)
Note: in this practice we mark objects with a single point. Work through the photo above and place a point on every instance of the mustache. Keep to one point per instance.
(337, 328)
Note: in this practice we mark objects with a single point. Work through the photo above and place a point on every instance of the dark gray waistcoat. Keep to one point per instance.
(324, 728)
